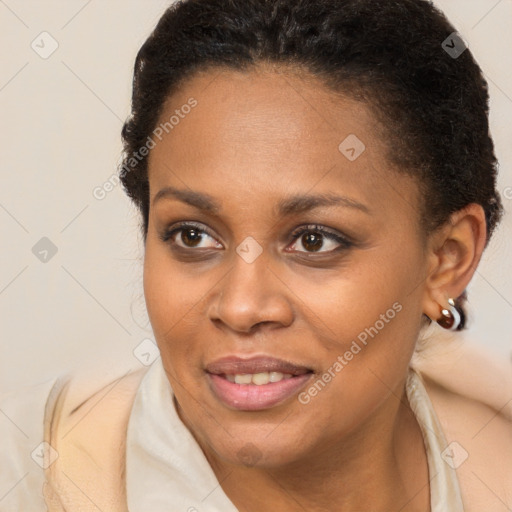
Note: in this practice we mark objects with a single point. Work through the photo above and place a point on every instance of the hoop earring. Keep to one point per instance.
(450, 317)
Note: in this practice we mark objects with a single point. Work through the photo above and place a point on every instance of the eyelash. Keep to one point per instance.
(311, 228)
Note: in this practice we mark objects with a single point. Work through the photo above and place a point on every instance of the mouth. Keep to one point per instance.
(258, 379)
(256, 383)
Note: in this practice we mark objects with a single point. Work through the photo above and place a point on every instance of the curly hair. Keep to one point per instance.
(432, 107)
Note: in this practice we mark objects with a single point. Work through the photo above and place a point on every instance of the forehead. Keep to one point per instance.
(261, 108)
(265, 131)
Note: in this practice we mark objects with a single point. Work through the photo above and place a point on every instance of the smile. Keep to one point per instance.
(256, 383)
(258, 379)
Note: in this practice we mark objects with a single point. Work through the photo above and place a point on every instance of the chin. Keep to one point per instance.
(256, 447)
(259, 454)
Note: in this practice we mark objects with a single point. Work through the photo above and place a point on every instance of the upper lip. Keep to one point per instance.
(233, 365)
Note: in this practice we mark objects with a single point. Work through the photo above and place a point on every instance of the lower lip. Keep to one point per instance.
(250, 397)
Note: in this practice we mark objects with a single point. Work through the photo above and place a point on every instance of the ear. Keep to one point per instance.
(454, 251)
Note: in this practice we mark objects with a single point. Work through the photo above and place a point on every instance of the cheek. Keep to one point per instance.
(343, 305)
(372, 318)
(172, 299)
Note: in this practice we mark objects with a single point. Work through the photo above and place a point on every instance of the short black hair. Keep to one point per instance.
(433, 105)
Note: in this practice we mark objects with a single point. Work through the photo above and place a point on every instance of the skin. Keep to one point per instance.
(253, 139)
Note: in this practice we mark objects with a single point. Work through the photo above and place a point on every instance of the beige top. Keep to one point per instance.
(442, 457)
(67, 447)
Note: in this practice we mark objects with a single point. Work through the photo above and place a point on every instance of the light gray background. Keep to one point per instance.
(61, 119)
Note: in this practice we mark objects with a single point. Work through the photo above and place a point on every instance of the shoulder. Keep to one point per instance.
(22, 450)
(63, 442)
(87, 427)
(471, 392)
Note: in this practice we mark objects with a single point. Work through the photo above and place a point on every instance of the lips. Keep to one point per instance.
(236, 382)
(236, 365)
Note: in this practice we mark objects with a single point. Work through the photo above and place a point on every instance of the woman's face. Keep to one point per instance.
(325, 322)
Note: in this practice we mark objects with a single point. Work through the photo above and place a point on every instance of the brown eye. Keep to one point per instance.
(190, 237)
(312, 241)
(315, 238)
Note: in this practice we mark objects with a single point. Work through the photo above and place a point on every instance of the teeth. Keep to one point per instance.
(275, 376)
(258, 378)
(261, 378)
(243, 379)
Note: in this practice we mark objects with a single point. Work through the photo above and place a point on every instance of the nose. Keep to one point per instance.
(251, 294)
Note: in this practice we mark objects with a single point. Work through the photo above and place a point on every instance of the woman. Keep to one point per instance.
(316, 183)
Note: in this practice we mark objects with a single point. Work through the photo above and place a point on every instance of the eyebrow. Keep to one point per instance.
(288, 206)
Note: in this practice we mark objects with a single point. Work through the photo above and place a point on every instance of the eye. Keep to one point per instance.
(192, 236)
(313, 239)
